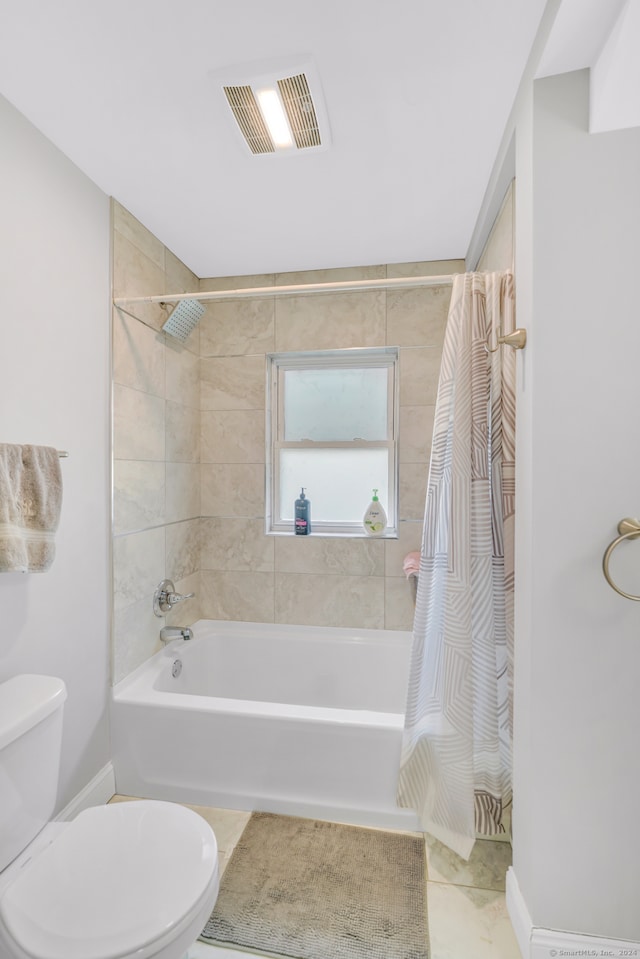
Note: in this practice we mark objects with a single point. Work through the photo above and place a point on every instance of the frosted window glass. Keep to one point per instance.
(339, 483)
(338, 404)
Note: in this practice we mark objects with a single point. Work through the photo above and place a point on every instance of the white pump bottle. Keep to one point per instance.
(375, 518)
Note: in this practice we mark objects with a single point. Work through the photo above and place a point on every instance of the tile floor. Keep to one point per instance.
(465, 900)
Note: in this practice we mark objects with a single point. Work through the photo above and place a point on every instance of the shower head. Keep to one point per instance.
(183, 319)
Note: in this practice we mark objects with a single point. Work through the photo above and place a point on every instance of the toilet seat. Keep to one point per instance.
(118, 881)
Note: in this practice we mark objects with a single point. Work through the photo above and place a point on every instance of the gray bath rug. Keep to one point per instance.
(308, 889)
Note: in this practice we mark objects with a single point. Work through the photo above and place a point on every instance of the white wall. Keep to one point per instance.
(54, 390)
(498, 251)
(577, 657)
(615, 76)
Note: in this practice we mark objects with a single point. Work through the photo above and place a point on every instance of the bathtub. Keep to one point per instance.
(304, 721)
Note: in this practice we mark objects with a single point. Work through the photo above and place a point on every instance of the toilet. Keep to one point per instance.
(132, 879)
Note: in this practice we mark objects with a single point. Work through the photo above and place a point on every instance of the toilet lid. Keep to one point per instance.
(117, 879)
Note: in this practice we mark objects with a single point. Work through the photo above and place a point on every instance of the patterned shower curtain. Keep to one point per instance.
(456, 758)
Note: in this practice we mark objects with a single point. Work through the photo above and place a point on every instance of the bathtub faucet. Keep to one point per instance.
(168, 633)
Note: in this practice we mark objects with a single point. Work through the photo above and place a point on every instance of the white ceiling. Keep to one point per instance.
(417, 92)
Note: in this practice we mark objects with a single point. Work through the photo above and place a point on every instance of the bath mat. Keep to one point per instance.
(308, 889)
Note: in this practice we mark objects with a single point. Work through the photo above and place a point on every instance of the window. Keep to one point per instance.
(333, 432)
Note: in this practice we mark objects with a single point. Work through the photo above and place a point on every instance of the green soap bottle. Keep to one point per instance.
(375, 518)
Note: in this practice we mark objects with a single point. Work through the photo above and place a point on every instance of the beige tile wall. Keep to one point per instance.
(156, 446)
(189, 448)
(245, 574)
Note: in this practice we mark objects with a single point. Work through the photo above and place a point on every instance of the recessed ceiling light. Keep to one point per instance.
(275, 118)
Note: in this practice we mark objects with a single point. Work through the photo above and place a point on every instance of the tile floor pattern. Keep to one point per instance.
(465, 900)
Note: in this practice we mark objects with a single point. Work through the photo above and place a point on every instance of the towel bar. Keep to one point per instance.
(628, 529)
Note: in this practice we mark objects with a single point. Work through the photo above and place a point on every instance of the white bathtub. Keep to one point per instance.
(305, 721)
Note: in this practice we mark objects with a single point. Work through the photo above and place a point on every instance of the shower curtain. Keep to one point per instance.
(456, 757)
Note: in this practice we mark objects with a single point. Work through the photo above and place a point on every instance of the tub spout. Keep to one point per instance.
(169, 633)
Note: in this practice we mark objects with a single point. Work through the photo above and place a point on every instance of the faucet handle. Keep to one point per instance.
(173, 598)
(165, 597)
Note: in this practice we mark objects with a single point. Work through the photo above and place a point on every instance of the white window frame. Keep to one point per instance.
(278, 363)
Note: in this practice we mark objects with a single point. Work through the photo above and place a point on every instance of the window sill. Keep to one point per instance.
(388, 534)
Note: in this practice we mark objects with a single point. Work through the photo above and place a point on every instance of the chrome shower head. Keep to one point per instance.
(183, 319)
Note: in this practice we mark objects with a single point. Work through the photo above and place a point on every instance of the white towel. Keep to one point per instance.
(30, 501)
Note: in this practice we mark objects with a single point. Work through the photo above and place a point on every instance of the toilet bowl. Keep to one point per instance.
(132, 879)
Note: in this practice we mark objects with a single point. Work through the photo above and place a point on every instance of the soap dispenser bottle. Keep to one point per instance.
(375, 518)
(302, 515)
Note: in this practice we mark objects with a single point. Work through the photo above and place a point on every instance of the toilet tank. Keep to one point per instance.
(30, 738)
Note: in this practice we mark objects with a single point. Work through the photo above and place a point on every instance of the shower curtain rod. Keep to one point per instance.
(338, 286)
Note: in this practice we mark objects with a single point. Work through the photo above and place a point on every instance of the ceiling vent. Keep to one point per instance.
(245, 109)
(301, 113)
(280, 110)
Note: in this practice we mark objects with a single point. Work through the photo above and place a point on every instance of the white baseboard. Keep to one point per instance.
(95, 793)
(538, 943)
(548, 942)
(519, 914)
